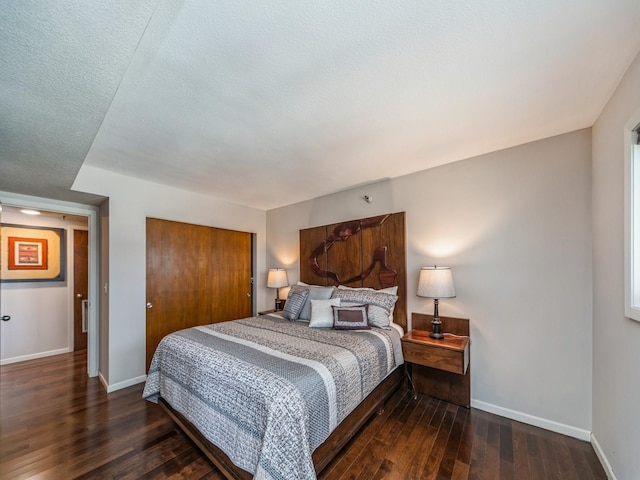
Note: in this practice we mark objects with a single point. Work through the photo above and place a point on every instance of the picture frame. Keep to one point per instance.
(27, 253)
(32, 254)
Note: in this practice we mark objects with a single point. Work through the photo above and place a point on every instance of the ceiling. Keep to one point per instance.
(78, 219)
(270, 103)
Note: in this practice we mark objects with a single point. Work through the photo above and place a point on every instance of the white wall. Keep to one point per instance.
(131, 201)
(41, 312)
(515, 226)
(616, 345)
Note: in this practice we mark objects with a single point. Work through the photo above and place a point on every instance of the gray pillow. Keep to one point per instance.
(380, 304)
(315, 293)
(295, 302)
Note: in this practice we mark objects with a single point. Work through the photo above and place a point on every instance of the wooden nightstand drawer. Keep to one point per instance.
(440, 357)
(439, 368)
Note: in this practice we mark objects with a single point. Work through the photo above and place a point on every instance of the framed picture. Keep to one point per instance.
(32, 254)
(27, 253)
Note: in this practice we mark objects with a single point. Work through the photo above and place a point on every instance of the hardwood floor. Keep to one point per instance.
(55, 423)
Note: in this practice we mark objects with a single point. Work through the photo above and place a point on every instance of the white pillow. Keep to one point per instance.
(322, 313)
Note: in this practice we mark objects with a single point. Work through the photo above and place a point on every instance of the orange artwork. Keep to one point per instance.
(27, 253)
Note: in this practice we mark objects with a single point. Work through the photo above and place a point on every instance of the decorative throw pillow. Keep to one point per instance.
(380, 304)
(295, 302)
(389, 290)
(315, 293)
(353, 317)
(322, 313)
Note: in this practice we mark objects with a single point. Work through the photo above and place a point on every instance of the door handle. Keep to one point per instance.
(5, 318)
(149, 305)
(85, 305)
(79, 295)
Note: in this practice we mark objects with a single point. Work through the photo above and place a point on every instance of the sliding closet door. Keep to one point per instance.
(195, 276)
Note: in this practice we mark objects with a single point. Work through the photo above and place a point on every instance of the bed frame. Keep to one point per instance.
(368, 252)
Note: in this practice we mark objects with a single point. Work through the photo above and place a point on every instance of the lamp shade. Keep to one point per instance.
(436, 282)
(277, 277)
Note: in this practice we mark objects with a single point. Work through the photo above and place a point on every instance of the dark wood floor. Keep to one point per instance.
(57, 423)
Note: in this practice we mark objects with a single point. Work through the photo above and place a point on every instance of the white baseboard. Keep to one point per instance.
(603, 458)
(103, 381)
(33, 356)
(120, 385)
(579, 433)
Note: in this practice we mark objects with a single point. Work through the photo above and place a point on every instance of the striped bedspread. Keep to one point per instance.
(268, 391)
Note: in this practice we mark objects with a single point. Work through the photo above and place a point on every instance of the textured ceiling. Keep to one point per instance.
(60, 66)
(270, 103)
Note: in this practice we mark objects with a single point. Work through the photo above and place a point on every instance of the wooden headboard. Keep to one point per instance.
(368, 252)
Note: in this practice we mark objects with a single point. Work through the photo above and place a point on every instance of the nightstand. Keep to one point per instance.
(439, 368)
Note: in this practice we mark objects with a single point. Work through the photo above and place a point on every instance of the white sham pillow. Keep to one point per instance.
(389, 290)
(380, 304)
(322, 313)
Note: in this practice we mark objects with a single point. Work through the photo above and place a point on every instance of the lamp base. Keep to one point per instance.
(436, 324)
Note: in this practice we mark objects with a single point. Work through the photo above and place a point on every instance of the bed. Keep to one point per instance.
(270, 397)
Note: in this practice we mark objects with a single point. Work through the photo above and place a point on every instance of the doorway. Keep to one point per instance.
(89, 221)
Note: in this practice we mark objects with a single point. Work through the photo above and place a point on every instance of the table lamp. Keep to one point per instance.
(436, 282)
(277, 278)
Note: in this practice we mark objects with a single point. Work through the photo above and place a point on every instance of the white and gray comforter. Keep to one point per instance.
(268, 391)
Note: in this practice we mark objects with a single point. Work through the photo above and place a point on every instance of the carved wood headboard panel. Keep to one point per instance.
(368, 252)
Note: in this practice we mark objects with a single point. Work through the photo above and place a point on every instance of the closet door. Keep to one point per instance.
(196, 275)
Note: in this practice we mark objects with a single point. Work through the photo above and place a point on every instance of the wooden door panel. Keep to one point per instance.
(80, 285)
(196, 275)
(232, 283)
(176, 279)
